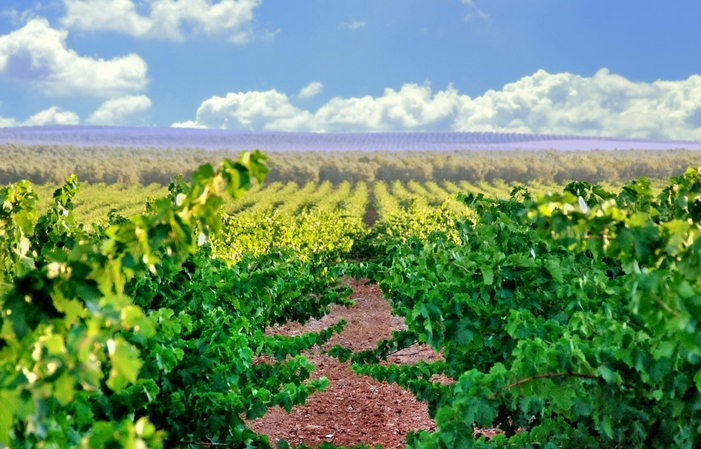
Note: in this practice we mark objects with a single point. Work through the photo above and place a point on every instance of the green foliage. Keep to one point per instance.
(105, 333)
(404, 216)
(566, 320)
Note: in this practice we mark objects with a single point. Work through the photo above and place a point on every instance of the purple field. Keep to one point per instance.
(84, 136)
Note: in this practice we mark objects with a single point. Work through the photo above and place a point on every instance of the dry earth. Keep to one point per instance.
(354, 409)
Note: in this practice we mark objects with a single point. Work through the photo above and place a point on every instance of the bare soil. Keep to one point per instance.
(371, 213)
(353, 409)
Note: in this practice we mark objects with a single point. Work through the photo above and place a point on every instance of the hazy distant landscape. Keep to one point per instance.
(141, 137)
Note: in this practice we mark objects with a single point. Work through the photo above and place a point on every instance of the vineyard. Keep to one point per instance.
(560, 316)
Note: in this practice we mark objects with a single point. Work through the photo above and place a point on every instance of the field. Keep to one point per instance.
(93, 202)
(214, 139)
(202, 314)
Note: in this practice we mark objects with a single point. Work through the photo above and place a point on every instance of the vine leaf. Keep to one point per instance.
(125, 363)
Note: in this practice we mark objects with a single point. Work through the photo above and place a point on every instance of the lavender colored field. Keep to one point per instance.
(82, 136)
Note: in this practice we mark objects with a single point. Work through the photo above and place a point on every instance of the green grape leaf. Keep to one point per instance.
(125, 363)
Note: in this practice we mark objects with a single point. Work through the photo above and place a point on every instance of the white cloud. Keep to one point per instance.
(354, 25)
(52, 116)
(37, 53)
(475, 11)
(245, 111)
(7, 122)
(313, 89)
(603, 105)
(112, 15)
(18, 18)
(562, 103)
(268, 35)
(120, 111)
(188, 124)
(412, 107)
(163, 19)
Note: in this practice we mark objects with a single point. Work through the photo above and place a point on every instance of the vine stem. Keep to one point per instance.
(665, 306)
(406, 347)
(544, 376)
(205, 444)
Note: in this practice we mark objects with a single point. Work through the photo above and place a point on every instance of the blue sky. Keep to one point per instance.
(611, 68)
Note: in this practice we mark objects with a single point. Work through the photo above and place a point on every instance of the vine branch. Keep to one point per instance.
(205, 444)
(547, 376)
(389, 353)
(665, 306)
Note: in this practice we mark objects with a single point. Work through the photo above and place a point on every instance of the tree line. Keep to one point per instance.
(129, 166)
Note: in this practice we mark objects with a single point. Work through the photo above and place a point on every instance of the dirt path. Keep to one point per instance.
(370, 213)
(354, 409)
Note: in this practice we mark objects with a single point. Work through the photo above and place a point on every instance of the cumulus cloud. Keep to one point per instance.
(163, 19)
(245, 111)
(413, 107)
(188, 124)
(562, 103)
(313, 89)
(603, 105)
(7, 122)
(52, 116)
(38, 54)
(120, 111)
(354, 25)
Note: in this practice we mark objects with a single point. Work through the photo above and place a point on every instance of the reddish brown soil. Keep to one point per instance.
(353, 409)
(371, 212)
(370, 216)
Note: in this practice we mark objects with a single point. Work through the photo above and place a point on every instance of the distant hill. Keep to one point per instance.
(90, 136)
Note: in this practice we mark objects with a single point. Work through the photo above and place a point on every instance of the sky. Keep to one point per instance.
(619, 68)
